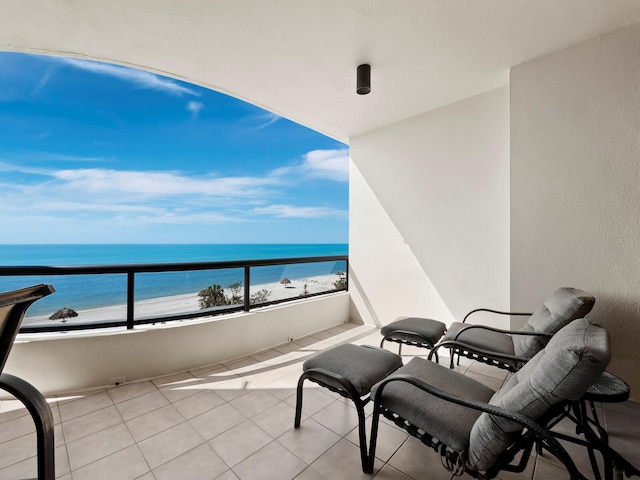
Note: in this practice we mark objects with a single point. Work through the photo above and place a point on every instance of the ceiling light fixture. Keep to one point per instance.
(363, 80)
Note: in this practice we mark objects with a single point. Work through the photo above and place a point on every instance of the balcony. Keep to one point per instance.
(234, 420)
(60, 357)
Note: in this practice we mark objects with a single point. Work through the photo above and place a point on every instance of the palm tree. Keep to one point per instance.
(212, 296)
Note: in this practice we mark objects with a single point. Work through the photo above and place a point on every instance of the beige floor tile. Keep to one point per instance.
(313, 400)
(287, 347)
(306, 341)
(84, 405)
(179, 386)
(416, 460)
(143, 404)
(29, 469)
(91, 423)
(126, 464)
(152, 423)
(310, 441)
(131, 390)
(342, 461)
(25, 469)
(174, 379)
(239, 442)
(309, 474)
(146, 476)
(254, 402)
(216, 421)
(338, 416)
(17, 450)
(390, 473)
(200, 463)
(389, 440)
(228, 475)
(276, 420)
(98, 445)
(262, 465)
(62, 461)
(10, 409)
(207, 370)
(16, 427)
(283, 387)
(171, 443)
(199, 403)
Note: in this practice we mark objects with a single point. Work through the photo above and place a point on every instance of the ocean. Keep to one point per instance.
(94, 291)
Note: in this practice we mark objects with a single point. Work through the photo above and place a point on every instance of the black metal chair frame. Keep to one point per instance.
(420, 341)
(504, 361)
(534, 433)
(26, 393)
(324, 378)
(585, 417)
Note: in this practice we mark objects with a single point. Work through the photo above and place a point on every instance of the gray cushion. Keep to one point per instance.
(573, 360)
(425, 327)
(481, 338)
(444, 420)
(362, 366)
(563, 306)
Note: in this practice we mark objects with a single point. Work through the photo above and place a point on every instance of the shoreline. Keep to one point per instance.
(176, 304)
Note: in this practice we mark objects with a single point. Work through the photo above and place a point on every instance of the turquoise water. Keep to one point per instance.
(92, 291)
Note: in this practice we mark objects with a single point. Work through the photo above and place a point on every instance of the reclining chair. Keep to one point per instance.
(479, 431)
(510, 349)
(13, 306)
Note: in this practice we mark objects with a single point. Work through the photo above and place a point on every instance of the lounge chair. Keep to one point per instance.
(13, 306)
(510, 349)
(482, 432)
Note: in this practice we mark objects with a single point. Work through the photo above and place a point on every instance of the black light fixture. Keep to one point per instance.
(363, 80)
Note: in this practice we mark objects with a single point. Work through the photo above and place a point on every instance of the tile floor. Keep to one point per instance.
(234, 421)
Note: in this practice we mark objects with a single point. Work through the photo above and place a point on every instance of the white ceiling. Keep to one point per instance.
(298, 58)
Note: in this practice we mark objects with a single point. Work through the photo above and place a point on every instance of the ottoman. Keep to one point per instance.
(351, 371)
(416, 331)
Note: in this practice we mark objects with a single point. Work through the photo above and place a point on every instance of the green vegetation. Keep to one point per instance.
(341, 283)
(216, 296)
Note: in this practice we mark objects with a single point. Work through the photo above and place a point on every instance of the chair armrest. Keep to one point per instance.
(499, 330)
(499, 312)
(481, 351)
(535, 428)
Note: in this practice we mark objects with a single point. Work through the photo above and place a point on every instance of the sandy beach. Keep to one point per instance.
(176, 304)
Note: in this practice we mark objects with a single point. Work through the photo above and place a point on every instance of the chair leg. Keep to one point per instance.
(43, 418)
(299, 391)
(362, 432)
(373, 441)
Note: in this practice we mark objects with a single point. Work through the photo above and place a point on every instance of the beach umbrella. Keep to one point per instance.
(63, 314)
(285, 281)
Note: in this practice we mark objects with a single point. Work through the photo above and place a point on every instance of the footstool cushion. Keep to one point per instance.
(363, 366)
(430, 329)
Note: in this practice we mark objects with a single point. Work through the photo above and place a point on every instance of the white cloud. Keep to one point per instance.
(325, 164)
(291, 211)
(137, 77)
(329, 164)
(195, 108)
(267, 119)
(159, 184)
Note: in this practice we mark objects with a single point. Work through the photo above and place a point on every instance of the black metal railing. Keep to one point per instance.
(132, 270)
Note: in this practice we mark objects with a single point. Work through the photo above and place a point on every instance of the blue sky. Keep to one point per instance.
(98, 153)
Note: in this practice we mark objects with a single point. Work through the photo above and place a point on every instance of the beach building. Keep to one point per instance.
(494, 160)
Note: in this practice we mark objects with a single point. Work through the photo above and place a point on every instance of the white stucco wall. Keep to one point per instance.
(575, 200)
(442, 181)
(72, 362)
(385, 278)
